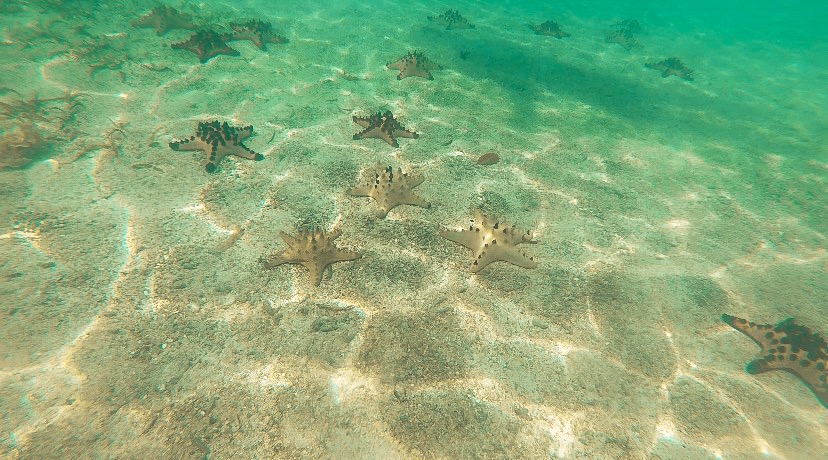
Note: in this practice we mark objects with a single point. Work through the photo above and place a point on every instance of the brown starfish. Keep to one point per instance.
(314, 250)
(452, 19)
(414, 64)
(163, 19)
(258, 32)
(390, 189)
(624, 37)
(549, 28)
(382, 125)
(788, 347)
(490, 241)
(672, 66)
(218, 141)
(206, 44)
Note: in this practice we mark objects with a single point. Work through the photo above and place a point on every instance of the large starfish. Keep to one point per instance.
(206, 44)
(788, 347)
(163, 19)
(390, 189)
(414, 64)
(382, 126)
(218, 141)
(314, 250)
(490, 241)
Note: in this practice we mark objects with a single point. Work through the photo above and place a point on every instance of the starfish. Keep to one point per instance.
(491, 242)
(672, 66)
(789, 347)
(390, 189)
(623, 36)
(452, 19)
(206, 44)
(382, 126)
(414, 64)
(218, 141)
(163, 19)
(549, 28)
(314, 250)
(258, 32)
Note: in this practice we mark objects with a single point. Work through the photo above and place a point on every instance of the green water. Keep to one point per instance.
(668, 162)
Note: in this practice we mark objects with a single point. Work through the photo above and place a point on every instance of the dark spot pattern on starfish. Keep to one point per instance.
(314, 250)
(165, 18)
(789, 347)
(549, 28)
(258, 32)
(671, 66)
(414, 64)
(218, 140)
(390, 189)
(491, 241)
(206, 44)
(382, 125)
(452, 19)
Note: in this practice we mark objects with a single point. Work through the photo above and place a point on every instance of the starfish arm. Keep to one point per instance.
(405, 133)
(364, 190)
(750, 329)
(245, 132)
(411, 181)
(316, 270)
(244, 152)
(190, 144)
(518, 258)
(412, 199)
(362, 121)
(467, 238)
(275, 261)
(289, 240)
(399, 65)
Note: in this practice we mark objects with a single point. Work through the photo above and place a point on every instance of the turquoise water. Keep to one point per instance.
(158, 302)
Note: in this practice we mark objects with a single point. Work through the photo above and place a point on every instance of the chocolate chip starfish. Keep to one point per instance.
(491, 241)
(414, 64)
(390, 189)
(382, 125)
(788, 347)
(218, 141)
(206, 44)
(314, 250)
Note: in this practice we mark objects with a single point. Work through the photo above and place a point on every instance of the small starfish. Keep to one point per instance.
(624, 37)
(491, 242)
(258, 32)
(206, 44)
(549, 28)
(452, 19)
(788, 347)
(163, 19)
(414, 64)
(671, 66)
(382, 126)
(314, 250)
(390, 190)
(218, 141)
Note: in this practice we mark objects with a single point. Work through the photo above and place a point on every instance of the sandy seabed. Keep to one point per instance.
(138, 321)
